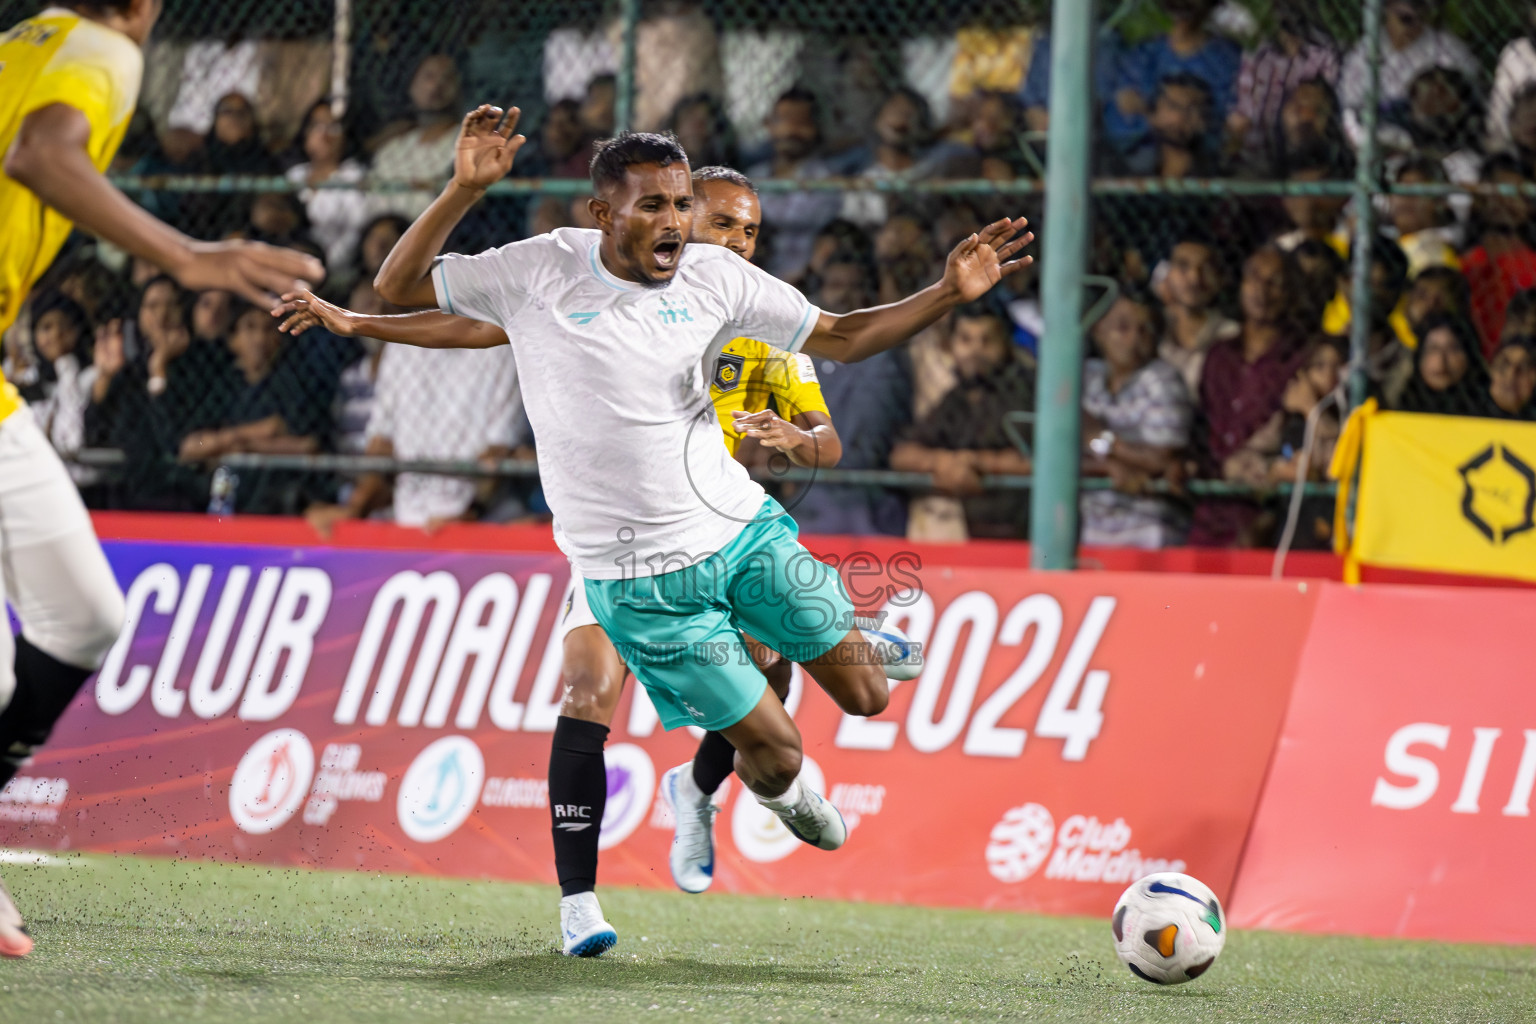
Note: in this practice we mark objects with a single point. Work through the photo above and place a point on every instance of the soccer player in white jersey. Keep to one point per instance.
(726, 213)
(612, 330)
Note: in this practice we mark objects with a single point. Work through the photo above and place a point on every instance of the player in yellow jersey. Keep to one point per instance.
(759, 392)
(69, 79)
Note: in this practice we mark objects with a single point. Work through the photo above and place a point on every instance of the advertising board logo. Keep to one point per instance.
(440, 789)
(1085, 849)
(1498, 495)
(758, 833)
(631, 786)
(1020, 843)
(271, 782)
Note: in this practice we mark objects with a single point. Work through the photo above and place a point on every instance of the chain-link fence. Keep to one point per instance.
(1240, 151)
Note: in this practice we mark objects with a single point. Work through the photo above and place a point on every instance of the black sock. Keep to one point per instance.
(578, 792)
(715, 760)
(45, 686)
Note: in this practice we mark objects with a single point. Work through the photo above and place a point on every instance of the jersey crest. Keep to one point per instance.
(728, 370)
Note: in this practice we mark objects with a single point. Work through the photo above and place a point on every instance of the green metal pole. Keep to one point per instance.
(1058, 397)
(1365, 210)
(624, 87)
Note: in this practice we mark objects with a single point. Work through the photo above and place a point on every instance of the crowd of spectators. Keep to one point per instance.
(1217, 360)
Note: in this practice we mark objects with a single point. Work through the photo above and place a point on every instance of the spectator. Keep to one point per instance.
(561, 148)
(903, 131)
(676, 55)
(794, 130)
(280, 219)
(1311, 128)
(598, 106)
(272, 403)
(1391, 335)
(1190, 47)
(336, 216)
(1035, 97)
(838, 238)
(1436, 291)
(1426, 229)
(904, 256)
(1175, 143)
(1516, 71)
(1317, 217)
(1520, 316)
(1511, 381)
(1137, 415)
(1323, 272)
(705, 131)
(424, 152)
(1299, 51)
(212, 68)
(213, 314)
(233, 145)
(1191, 320)
(433, 404)
(963, 438)
(1241, 387)
(1441, 122)
(1501, 261)
(1277, 453)
(1447, 375)
(871, 403)
(377, 239)
(1409, 45)
(61, 337)
(996, 150)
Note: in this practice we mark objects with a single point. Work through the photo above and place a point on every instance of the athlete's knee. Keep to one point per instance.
(776, 766)
(867, 692)
(84, 636)
(591, 693)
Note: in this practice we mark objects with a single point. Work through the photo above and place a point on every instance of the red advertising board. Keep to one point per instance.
(1399, 800)
(390, 710)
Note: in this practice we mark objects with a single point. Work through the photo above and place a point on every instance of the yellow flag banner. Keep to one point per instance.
(1450, 494)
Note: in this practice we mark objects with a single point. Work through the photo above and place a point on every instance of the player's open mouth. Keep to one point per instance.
(666, 253)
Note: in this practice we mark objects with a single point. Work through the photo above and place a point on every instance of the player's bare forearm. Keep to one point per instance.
(973, 268)
(819, 447)
(49, 157)
(426, 328)
(405, 278)
(850, 337)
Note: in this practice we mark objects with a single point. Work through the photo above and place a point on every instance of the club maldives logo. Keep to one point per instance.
(271, 781)
(631, 786)
(1086, 849)
(440, 789)
(758, 833)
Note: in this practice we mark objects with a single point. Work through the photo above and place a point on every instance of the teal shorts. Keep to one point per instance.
(680, 632)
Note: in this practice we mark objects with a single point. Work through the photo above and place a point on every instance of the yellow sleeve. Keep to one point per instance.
(792, 378)
(96, 71)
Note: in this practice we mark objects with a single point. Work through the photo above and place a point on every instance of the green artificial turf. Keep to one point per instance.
(139, 940)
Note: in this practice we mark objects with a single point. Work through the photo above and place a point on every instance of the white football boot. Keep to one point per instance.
(14, 941)
(693, 843)
(809, 816)
(901, 658)
(582, 929)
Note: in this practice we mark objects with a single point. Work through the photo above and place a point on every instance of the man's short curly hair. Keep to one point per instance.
(615, 156)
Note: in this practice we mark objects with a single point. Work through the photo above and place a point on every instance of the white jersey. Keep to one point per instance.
(615, 378)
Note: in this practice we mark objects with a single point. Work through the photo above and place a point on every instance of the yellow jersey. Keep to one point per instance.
(749, 374)
(56, 57)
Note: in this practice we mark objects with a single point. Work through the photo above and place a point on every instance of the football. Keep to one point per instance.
(1169, 928)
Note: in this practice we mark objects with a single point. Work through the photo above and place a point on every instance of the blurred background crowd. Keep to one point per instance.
(1229, 326)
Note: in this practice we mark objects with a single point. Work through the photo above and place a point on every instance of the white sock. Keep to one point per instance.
(785, 800)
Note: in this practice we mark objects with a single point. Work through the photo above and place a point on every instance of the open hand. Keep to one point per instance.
(303, 309)
(769, 428)
(484, 152)
(984, 259)
(255, 271)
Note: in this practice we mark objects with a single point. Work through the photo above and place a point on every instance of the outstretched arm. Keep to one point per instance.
(483, 157)
(427, 328)
(50, 158)
(973, 267)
